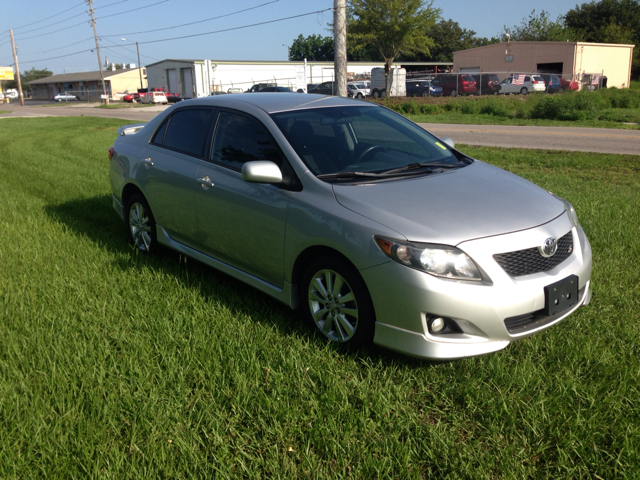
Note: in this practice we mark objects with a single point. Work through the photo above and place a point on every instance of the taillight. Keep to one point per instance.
(111, 152)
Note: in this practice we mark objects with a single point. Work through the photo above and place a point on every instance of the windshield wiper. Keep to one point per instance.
(341, 175)
(415, 166)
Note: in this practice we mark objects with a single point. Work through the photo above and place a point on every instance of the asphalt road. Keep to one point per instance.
(603, 140)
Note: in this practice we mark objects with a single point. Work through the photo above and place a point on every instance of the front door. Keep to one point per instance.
(240, 223)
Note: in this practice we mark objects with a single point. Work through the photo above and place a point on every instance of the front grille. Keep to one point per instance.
(528, 261)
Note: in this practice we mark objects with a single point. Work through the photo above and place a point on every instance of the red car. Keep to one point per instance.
(455, 85)
(569, 84)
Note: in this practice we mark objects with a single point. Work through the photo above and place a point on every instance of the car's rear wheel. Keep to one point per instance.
(142, 225)
(524, 90)
(454, 92)
(338, 302)
(375, 93)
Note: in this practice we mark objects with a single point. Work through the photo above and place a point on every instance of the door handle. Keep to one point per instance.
(147, 162)
(205, 182)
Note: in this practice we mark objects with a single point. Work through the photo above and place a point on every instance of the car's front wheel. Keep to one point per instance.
(142, 225)
(524, 90)
(338, 302)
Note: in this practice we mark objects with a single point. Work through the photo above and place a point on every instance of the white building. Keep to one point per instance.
(199, 78)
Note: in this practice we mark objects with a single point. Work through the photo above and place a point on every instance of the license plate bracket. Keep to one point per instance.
(561, 295)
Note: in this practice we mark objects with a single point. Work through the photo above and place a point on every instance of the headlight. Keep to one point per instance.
(570, 210)
(437, 260)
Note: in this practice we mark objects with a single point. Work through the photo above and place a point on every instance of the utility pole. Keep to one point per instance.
(139, 65)
(340, 46)
(95, 35)
(15, 62)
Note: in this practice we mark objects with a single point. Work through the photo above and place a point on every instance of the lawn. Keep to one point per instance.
(126, 105)
(118, 365)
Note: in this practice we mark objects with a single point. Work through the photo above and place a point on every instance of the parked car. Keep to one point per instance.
(276, 89)
(455, 85)
(64, 97)
(324, 88)
(171, 97)
(569, 84)
(552, 83)
(377, 230)
(235, 90)
(311, 86)
(354, 92)
(131, 97)
(362, 86)
(259, 87)
(154, 97)
(422, 88)
(487, 83)
(523, 86)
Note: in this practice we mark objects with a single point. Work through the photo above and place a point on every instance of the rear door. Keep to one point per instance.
(241, 223)
(168, 173)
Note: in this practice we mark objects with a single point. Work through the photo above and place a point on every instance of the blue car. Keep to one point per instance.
(422, 88)
(552, 83)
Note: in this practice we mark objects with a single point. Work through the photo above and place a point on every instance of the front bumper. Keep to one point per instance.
(405, 298)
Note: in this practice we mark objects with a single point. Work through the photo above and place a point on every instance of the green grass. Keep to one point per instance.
(117, 365)
(4, 111)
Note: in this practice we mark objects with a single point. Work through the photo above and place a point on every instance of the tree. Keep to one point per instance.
(448, 37)
(608, 21)
(540, 28)
(393, 27)
(28, 76)
(316, 48)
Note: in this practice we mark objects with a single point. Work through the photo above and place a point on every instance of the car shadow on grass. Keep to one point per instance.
(95, 219)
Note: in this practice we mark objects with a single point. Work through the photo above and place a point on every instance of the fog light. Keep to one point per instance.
(437, 325)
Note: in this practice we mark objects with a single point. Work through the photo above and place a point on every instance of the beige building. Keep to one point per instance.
(578, 61)
(88, 85)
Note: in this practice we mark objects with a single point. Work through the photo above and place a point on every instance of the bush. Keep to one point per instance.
(495, 107)
(571, 106)
(620, 98)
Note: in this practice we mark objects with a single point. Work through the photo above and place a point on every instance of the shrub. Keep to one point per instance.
(573, 106)
(495, 107)
(620, 98)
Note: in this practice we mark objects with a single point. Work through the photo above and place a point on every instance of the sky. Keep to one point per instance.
(61, 38)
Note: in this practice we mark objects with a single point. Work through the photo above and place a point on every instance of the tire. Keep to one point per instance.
(425, 93)
(375, 93)
(359, 96)
(142, 225)
(524, 91)
(454, 92)
(336, 301)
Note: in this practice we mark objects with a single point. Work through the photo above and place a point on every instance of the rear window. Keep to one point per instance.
(188, 130)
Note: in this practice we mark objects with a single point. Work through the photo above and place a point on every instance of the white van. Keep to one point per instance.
(398, 82)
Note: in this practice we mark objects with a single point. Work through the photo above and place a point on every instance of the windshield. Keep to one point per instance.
(360, 139)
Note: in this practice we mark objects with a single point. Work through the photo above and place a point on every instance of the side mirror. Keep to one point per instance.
(448, 141)
(261, 171)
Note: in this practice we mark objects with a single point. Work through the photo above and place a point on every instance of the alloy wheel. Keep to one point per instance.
(140, 226)
(333, 305)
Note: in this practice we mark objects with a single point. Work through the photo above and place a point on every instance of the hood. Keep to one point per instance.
(475, 201)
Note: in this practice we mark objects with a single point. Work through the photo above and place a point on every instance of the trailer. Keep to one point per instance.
(379, 84)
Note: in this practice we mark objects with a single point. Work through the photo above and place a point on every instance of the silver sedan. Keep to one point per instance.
(375, 229)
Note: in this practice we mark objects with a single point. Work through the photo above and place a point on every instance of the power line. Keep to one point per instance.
(195, 34)
(99, 18)
(70, 45)
(193, 23)
(49, 17)
(67, 19)
(232, 28)
(116, 45)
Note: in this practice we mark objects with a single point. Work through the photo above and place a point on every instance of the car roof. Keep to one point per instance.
(272, 102)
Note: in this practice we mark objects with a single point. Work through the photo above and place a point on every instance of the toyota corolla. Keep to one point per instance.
(375, 229)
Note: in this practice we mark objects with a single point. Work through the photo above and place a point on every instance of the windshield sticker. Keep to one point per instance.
(441, 146)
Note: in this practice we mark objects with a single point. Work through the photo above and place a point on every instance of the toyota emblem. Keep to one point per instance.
(549, 247)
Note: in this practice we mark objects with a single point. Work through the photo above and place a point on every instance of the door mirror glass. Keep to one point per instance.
(261, 172)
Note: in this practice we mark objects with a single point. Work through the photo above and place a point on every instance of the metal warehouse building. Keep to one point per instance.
(197, 78)
(578, 61)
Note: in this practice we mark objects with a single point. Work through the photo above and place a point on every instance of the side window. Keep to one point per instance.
(187, 130)
(158, 138)
(239, 139)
